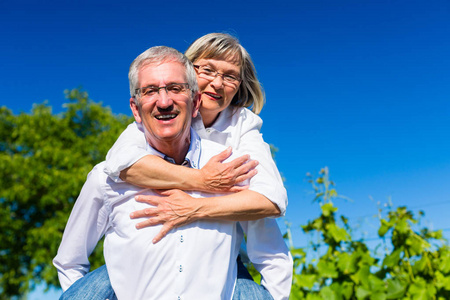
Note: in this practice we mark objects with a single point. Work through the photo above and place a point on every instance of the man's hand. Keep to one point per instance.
(172, 209)
(224, 177)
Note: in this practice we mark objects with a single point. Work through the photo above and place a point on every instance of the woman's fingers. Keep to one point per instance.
(163, 232)
(149, 222)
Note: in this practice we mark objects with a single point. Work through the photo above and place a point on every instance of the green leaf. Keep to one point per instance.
(361, 277)
(444, 264)
(343, 290)
(297, 252)
(306, 280)
(339, 234)
(327, 269)
(392, 259)
(420, 290)
(346, 262)
(402, 226)
(375, 283)
(395, 288)
(312, 296)
(327, 293)
(384, 228)
(328, 209)
(362, 293)
(378, 296)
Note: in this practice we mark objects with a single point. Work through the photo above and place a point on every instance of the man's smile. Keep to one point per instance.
(166, 116)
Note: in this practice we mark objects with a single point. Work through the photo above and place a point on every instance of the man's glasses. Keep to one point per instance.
(172, 89)
(210, 74)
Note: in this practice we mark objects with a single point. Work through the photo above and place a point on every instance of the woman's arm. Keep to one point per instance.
(129, 159)
(268, 182)
(216, 176)
(175, 208)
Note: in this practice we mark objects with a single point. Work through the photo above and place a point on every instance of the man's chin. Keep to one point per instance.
(168, 135)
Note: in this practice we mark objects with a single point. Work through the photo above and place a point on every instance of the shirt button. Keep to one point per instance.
(181, 268)
(179, 298)
(181, 239)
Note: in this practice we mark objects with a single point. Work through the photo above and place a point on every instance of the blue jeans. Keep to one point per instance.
(96, 286)
(246, 288)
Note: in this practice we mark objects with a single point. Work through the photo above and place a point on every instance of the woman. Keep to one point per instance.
(228, 83)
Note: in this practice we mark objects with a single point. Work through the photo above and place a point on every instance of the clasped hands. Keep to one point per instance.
(174, 208)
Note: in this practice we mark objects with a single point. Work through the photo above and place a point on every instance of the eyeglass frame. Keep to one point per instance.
(217, 73)
(137, 92)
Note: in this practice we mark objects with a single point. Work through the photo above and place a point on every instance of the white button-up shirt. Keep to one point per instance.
(195, 261)
(235, 127)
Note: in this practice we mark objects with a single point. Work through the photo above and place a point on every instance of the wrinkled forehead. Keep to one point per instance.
(155, 63)
(168, 70)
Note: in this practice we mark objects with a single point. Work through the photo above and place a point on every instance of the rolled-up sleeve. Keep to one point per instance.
(127, 150)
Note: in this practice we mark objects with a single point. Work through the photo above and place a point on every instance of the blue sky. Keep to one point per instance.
(362, 87)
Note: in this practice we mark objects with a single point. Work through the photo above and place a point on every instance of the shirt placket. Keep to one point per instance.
(180, 265)
(180, 252)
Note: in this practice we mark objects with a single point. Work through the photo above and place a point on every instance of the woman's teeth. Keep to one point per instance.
(215, 96)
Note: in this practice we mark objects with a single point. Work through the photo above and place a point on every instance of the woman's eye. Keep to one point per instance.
(230, 77)
(208, 70)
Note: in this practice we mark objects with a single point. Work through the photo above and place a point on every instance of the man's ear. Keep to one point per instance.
(135, 110)
(196, 101)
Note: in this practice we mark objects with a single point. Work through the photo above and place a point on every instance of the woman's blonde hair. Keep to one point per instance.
(225, 47)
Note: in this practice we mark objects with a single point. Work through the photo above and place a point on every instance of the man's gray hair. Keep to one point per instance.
(159, 55)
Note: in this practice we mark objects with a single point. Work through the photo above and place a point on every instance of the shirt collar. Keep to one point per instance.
(192, 157)
(222, 123)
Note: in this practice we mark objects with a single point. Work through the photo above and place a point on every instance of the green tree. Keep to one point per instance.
(415, 263)
(44, 161)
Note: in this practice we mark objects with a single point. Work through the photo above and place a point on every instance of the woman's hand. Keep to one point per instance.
(172, 209)
(224, 177)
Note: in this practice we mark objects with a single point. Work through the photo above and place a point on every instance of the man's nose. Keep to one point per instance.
(164, 100)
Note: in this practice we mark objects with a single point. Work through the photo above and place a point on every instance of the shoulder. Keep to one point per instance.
(245, 117)
(233, 117)
(97, 174)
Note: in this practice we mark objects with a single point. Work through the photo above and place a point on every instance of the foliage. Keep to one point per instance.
(415, 265)
(44, 160)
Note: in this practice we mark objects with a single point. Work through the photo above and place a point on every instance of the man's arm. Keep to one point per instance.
(86, 225)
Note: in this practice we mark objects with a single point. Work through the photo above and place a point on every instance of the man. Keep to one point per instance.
(197, 260)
